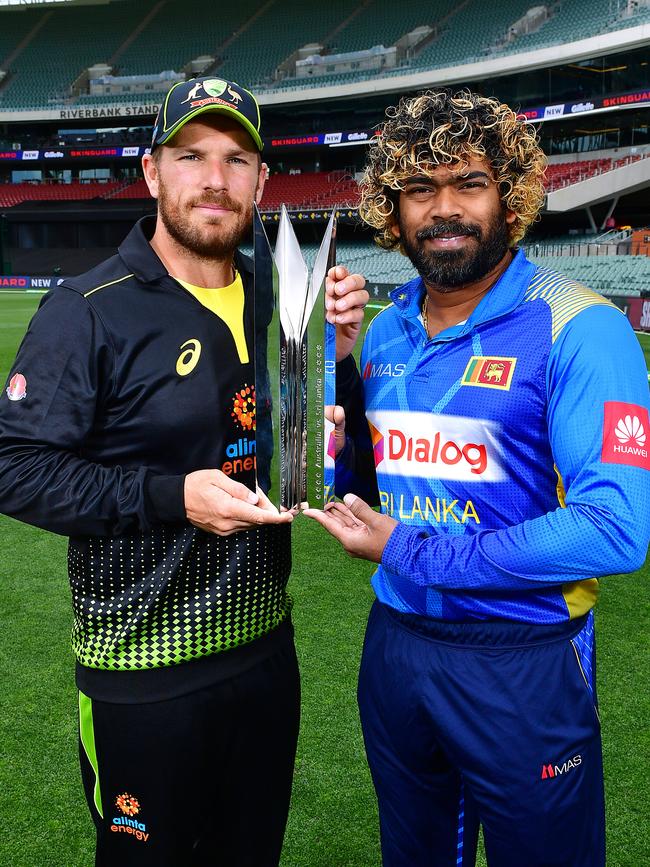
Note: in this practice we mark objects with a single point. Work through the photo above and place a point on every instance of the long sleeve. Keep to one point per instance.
(598, 429)
(66, 360)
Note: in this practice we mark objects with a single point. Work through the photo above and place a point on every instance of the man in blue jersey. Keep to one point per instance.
(507, 415)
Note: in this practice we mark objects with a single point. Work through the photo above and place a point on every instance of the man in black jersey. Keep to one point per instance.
(128, 423)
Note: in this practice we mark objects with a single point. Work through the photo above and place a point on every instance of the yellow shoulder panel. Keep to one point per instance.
(564, 296)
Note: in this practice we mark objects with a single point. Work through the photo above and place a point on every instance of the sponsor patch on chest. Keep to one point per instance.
(426, 445)
(489, 371)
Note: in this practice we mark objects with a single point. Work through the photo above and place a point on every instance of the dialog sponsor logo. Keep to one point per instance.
(427, 445)
(625, 433)
(550, 771)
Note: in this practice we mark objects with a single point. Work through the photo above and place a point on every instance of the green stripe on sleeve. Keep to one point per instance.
(87, 734)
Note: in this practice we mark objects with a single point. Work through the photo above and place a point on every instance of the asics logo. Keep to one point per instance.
(189, 357)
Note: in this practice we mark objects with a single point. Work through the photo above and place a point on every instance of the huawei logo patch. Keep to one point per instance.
(624, 435)
(630, 429)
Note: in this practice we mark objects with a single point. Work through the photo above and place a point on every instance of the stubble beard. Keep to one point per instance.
(451, 270)
(210, 241)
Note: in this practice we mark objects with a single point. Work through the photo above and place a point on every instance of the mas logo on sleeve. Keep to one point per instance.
(625, 435)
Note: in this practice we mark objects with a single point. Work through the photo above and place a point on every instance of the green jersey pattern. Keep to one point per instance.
(175, 594)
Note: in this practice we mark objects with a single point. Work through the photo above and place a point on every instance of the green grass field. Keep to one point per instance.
(333, 820)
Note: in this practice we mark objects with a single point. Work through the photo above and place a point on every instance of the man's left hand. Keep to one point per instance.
(345, 300)
(362, 531)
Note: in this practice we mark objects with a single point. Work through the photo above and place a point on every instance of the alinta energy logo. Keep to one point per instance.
(129, 806)
(243, 408)
(241, 453)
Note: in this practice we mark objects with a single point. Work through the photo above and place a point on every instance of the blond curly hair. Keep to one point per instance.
(439, 127)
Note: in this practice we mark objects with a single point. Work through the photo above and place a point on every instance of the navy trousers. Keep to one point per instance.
(483, 723)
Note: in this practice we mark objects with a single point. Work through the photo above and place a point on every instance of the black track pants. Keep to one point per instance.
(204, 779)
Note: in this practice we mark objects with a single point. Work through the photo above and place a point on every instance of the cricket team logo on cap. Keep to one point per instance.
(17, 388)
(188, 99)
(492, 371)
(625, 434)
(212, 90)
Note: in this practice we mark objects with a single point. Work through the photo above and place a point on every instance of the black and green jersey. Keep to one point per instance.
(126, 383)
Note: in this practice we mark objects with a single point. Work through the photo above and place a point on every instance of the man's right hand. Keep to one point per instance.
(218, 504)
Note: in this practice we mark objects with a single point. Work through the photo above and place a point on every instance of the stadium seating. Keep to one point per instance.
(251, 40)
(310, 190)
(576, 19)
(14, 194)
(562, 174)
(136, 190)
(608, 275)
(306, 190)
(180, 32)
(69, 42)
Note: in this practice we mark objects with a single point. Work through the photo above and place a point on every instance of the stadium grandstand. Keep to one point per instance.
(81, 81)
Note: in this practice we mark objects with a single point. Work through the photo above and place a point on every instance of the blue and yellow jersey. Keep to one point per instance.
(513, 449)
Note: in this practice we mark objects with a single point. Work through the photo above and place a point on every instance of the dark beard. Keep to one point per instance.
(449, 270)
(216, 245)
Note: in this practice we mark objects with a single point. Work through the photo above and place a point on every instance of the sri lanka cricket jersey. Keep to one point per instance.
(513, 450)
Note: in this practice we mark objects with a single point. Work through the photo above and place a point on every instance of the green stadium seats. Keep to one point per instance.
(251, 40)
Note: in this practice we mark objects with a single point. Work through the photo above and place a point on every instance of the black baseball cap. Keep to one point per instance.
(188, 99)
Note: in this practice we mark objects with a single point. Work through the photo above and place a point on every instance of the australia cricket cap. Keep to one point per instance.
(188, 99)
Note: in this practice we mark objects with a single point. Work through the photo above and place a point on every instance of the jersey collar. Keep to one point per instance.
(140, 259)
